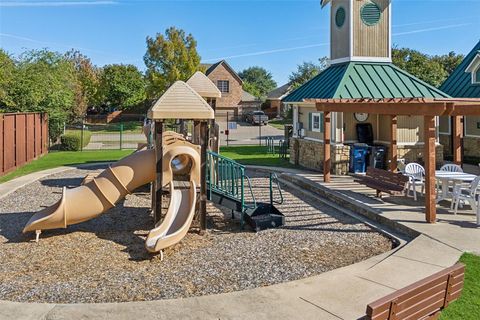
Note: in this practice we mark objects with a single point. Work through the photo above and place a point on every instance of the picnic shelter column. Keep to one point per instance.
(393, 143)
(327, 161)
(429, 155)
(457, 132)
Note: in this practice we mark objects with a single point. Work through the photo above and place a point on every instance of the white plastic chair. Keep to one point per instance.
(416, 175)
(469, 195)
(450, 167)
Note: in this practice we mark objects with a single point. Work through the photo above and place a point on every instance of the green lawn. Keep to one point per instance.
(254, 155)
(66, 158)
(279, 123)
(468, 306)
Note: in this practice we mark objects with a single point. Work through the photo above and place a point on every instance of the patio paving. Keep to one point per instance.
(458, 231)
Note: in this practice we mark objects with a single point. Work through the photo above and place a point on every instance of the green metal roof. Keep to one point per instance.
(459, 84)
(364, 80)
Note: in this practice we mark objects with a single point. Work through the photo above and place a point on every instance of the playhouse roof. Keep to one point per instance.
(459, 83)
(180, 101)
(204, 86)
(354, 80)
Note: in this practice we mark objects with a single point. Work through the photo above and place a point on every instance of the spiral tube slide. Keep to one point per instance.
(98, 195)
(102, 193)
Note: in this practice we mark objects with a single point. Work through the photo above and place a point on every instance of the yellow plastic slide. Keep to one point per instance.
(101, 193)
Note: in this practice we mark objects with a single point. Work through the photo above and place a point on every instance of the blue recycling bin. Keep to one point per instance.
(358, 158)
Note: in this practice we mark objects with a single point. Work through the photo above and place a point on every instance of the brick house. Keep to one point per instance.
(275, 97)
(230, 85)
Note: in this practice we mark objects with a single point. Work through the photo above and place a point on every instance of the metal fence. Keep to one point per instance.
(23, 137)
(111, 136)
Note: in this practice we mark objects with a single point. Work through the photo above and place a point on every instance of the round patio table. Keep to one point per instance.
(445, 177)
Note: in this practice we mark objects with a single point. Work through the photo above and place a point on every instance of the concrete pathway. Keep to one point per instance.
(339, 294)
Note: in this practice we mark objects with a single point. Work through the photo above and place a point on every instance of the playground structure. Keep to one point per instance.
(168, 162)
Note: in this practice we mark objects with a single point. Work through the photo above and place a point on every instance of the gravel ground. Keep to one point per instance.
(104, 260)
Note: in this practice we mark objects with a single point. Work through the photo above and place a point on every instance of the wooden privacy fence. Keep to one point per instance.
(23, 137)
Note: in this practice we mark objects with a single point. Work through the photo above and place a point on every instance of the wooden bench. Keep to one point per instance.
(384, 181)
(424, 299)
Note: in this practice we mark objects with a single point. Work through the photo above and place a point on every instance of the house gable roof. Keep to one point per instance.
(204, 86)
(280, 92)
(227, 66)
(180, 101)
(459, 83)
(248, 97)
(364, 80)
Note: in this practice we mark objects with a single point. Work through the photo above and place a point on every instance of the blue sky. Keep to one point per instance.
(277, 35)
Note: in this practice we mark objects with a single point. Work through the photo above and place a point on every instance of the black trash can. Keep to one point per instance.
(377, 157)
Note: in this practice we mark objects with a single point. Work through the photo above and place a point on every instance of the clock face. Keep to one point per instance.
(361, 117)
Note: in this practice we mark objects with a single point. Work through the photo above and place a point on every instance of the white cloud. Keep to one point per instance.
(261, 53)
(54, 3)
(451, 26)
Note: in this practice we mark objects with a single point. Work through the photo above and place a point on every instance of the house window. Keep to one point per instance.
(316, 122)
(223, 86)
(476, 76)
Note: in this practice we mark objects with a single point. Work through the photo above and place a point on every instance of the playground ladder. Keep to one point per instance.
(226, 181)
(227, 178)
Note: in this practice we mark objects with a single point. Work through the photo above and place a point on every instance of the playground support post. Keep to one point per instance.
(158, 192)
(204, 138)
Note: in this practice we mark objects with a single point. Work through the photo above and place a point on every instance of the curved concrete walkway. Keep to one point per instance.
(339, 294)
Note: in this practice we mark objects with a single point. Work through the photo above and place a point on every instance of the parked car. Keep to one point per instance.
(257, 118)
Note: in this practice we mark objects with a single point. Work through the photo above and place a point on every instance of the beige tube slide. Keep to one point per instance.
(101, 193)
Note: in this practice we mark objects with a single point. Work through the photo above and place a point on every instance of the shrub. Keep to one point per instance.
(72, 141)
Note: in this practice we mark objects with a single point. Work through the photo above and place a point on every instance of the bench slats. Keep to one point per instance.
(383, 181)
(435, 280)
(422, 298)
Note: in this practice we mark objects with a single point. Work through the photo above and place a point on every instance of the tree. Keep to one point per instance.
(7, 76)
(169, 58)
(432, 69)
(307, 71)
(87, 81)
(44, 82)
(257, 81)
(420, 65)
(449, 61)
(121, 86)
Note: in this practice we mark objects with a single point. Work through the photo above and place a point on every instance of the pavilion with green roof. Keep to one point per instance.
(360, 68)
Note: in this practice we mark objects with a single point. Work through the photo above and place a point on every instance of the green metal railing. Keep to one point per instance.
(274, 179)
(270, 144)
(283, 149)
(227, 177)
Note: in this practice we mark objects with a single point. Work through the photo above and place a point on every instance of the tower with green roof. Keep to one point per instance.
(360, 67)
